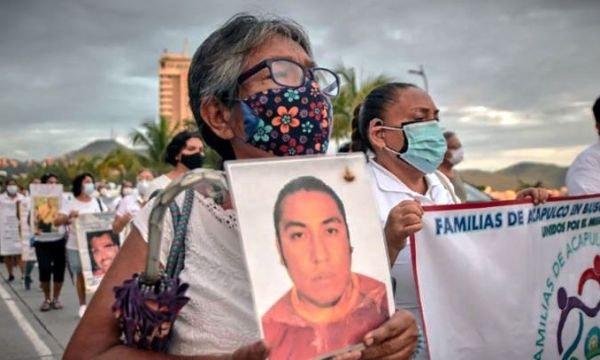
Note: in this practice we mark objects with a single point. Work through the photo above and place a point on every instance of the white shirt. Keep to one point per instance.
(219, 318)
(7, 199)
(158, 183)
(583, 176)
(390, 191)
(130, 204)
(89, 207)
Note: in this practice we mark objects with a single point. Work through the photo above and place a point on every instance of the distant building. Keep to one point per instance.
(173, 93)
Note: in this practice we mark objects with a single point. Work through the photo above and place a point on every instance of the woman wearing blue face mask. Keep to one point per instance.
(398, 125)
(255, 92)
(83, 203)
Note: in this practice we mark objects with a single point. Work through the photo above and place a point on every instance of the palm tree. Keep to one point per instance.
(120, 164)
(154, 137)
(352, 93)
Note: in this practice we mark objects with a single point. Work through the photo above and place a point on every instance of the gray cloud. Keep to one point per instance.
(90, 66)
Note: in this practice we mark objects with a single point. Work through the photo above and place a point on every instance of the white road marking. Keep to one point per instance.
(40, 346)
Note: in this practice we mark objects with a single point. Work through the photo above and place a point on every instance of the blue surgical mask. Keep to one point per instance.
(425, 145)
(89, 189)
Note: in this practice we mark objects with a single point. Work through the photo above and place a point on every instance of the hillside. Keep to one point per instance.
(549, 175)
(95, 148)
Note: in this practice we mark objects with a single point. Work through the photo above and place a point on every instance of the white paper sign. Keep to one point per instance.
(315, 252)
(27, 250)
(10, 241)
(98, 246)
(510, 280)
(46, 201)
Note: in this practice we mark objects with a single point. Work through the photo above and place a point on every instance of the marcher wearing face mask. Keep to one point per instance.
(131, 204)
(184, 152)
(12, 259)
(83, 188)
(273, 65)
(398, 125)
(453, 156)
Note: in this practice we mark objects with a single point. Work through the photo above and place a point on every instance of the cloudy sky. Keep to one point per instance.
(515, 79)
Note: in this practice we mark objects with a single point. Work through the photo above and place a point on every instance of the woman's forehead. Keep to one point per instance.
(278, 47)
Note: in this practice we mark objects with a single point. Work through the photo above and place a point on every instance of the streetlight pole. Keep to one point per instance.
(421, 72)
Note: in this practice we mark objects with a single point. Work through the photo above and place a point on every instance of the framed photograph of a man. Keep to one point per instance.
(103, 247)
(45, 202)
(98, 246)
(315, 252)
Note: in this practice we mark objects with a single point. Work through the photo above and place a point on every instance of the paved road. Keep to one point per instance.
(26, 332)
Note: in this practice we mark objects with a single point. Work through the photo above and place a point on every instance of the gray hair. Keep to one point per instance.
(219, 61)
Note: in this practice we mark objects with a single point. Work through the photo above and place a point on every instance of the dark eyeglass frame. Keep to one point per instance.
(306, 72)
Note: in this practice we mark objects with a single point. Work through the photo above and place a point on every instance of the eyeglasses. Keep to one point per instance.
(288, 73)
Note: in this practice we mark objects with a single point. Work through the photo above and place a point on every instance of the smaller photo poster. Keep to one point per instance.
(46, 201)
(98, 246)
(315, 252)
(27, 249)
(10, 240)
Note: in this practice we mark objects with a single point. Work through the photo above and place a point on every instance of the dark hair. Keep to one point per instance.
(344, 148)
(448, 134)
(219, 61)
(596, 110)
(9, 180)
(374, 106)
(97, 234)
(177, 144)
(46, 177)
(305, 183)
(78, 181)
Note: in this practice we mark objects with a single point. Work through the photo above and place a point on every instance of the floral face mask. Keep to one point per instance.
(289, 121)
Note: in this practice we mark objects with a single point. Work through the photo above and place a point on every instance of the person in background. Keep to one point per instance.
(583, 176)
(51, 256)
(185, 152)
(83, 203)
(131, 204)
(453, 156)
(107, 196)
(12, 258)
(398, 125)
(245, 59)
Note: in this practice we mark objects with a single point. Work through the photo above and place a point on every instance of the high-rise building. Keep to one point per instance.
(173, 92)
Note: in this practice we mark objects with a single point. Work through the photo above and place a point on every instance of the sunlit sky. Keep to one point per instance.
(515, 79)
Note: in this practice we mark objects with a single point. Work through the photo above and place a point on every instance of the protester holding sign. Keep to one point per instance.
(255, 93)
(131, 204)
(10, 247)
(83, 203)
(49, 240)
(399, 124)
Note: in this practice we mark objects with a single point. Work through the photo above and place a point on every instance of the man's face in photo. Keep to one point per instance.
(104, 251)
(315, 246)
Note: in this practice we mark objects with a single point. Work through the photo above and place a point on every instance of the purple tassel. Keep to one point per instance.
(146, 313)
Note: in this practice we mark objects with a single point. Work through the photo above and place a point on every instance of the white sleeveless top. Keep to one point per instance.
(219, 318)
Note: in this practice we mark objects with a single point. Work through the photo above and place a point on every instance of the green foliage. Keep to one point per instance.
(154, 137)
(352, 92)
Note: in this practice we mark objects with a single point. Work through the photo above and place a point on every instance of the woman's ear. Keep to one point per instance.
(376, 134)
(217, 116)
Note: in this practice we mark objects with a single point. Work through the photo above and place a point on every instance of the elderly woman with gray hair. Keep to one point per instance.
(248, 72)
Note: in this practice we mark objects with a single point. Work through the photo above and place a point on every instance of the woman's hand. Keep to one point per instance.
(403, 220)
(539, 195)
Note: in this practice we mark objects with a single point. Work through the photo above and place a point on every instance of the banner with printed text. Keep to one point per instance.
(511, 280)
